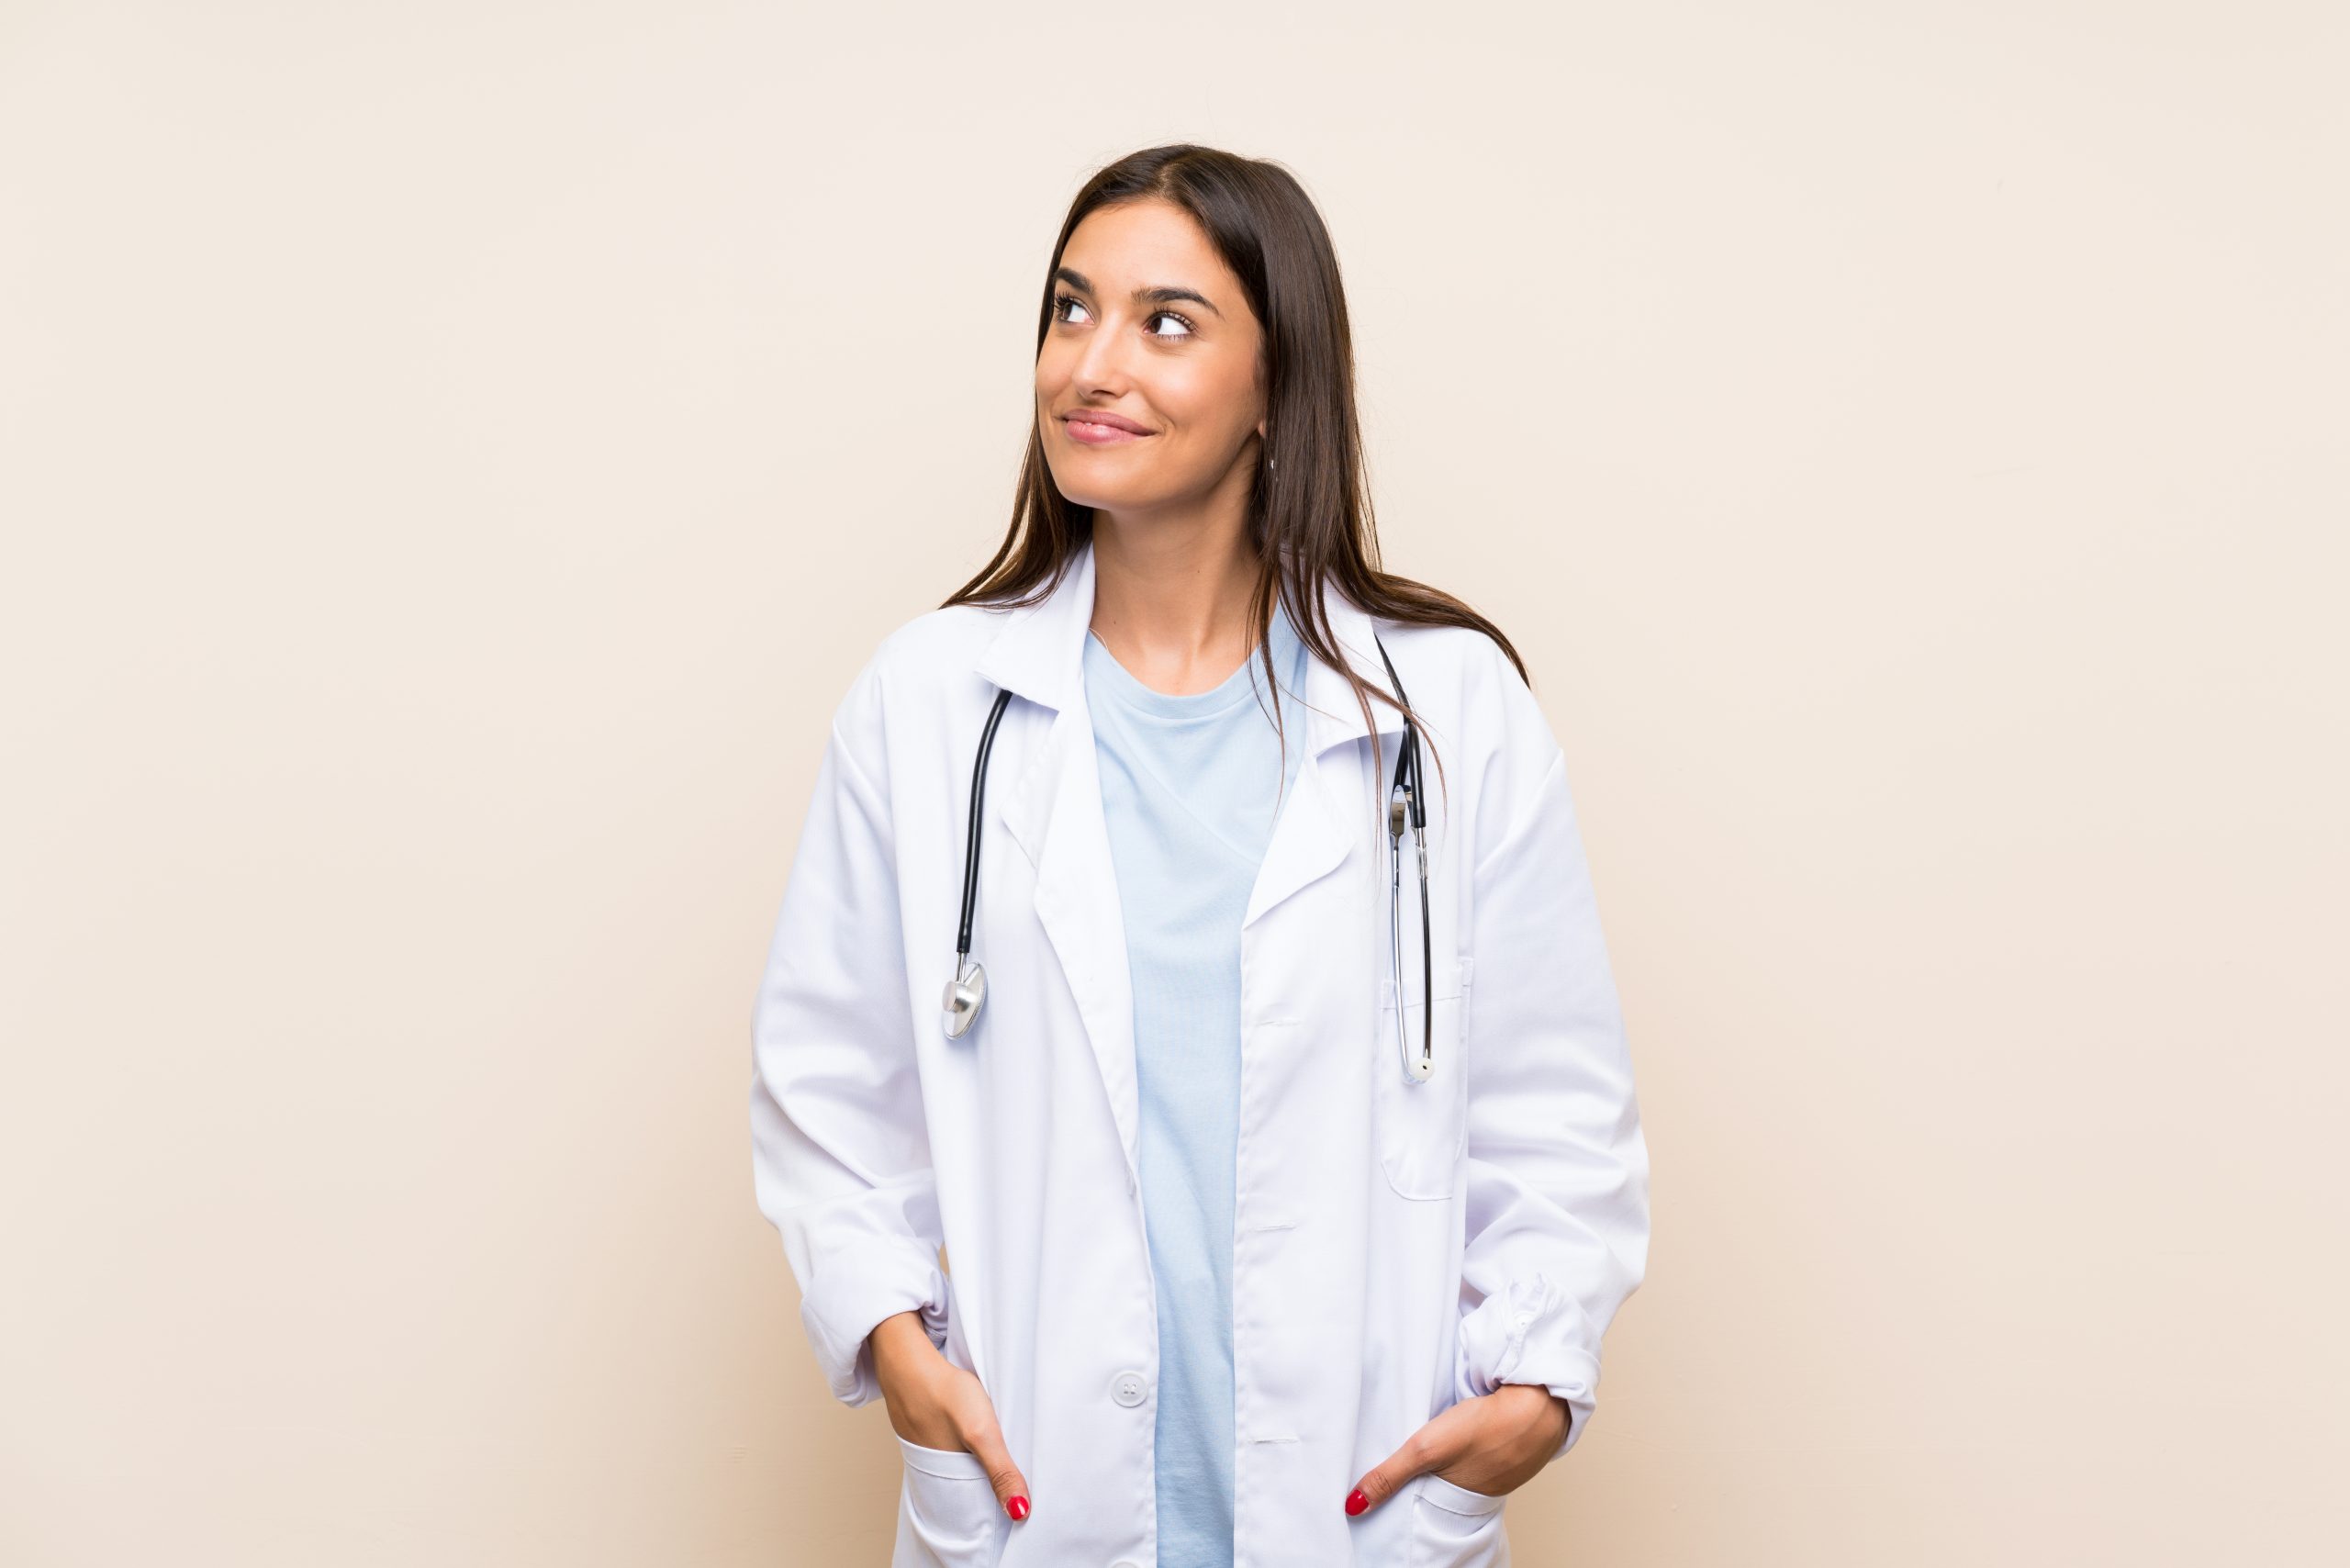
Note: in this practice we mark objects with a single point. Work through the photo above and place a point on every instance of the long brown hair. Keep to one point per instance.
(1310, 513)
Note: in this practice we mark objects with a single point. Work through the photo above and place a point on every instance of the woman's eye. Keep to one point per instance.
(1068, 307)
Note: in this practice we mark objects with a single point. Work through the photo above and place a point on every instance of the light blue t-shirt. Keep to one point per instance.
(1189, 792)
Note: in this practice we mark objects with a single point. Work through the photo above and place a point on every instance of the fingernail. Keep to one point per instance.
(1357, 1501)
(1017, 1507)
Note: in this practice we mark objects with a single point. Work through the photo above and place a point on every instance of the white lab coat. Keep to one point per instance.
(1397, 1245)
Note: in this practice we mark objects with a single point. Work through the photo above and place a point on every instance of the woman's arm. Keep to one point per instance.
(1558, 1169)
(840, 1154)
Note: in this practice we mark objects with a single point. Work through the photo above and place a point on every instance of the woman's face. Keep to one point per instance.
(1147, 391)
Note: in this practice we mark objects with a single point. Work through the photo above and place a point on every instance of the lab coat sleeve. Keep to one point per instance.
(1558, 1169)
(841, 1160)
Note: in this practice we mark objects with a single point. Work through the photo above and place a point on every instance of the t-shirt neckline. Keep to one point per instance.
(1236, 688)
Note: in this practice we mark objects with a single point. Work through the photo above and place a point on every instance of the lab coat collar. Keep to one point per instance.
(1039, 654)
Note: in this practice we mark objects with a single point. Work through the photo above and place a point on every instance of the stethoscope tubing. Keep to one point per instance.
(1406, 795)
(1406, 803)
(972, 833)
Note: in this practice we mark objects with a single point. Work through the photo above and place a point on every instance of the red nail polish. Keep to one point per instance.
(1357, 1501)
(1017, 1507)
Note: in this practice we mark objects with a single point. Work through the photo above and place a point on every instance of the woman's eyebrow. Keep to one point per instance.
(1161, 294)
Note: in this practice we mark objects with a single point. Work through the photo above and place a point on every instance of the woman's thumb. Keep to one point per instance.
(1010, 1486)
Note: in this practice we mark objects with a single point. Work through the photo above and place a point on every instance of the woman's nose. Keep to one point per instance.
(1101, 365)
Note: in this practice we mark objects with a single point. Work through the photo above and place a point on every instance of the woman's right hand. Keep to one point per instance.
(934, 1403)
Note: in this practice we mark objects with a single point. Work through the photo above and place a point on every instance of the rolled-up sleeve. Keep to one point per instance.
(840, 1152)
(1558, 1169)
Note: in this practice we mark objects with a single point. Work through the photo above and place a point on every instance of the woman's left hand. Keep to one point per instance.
(1494, 1443)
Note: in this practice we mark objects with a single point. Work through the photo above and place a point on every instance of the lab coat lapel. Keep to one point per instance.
(1330, 805)
(1077, 904)
(1053, 811)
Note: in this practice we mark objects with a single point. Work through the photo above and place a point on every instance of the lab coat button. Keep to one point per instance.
(1128, 1389)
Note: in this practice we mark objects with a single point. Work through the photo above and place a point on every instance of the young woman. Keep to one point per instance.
(1273, 1108)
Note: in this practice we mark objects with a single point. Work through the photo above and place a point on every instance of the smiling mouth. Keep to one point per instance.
(1094, 432)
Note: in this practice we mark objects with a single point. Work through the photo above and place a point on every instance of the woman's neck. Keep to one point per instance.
(1172, 603)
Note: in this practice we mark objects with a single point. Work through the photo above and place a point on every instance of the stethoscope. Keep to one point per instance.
(969, 989)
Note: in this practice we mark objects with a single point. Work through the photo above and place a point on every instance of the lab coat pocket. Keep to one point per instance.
(1422, 1124)
(1455, 1528)
(947, 1515)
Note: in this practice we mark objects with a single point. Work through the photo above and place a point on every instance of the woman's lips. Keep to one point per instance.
(1093, 434)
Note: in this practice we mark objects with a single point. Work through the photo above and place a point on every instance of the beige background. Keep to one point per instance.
(454, 455)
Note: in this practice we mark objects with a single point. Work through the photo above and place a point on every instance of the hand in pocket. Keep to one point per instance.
(934, 1403)
(1490, 1446)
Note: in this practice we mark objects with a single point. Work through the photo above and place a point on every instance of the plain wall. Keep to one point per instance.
(453, 456)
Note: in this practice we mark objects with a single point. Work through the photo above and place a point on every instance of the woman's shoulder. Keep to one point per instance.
(928, 659)
(1469, 689)
(1447, 647)
(1463, 664)
(950, 637)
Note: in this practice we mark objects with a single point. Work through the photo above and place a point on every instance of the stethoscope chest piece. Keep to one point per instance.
(964, 994)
